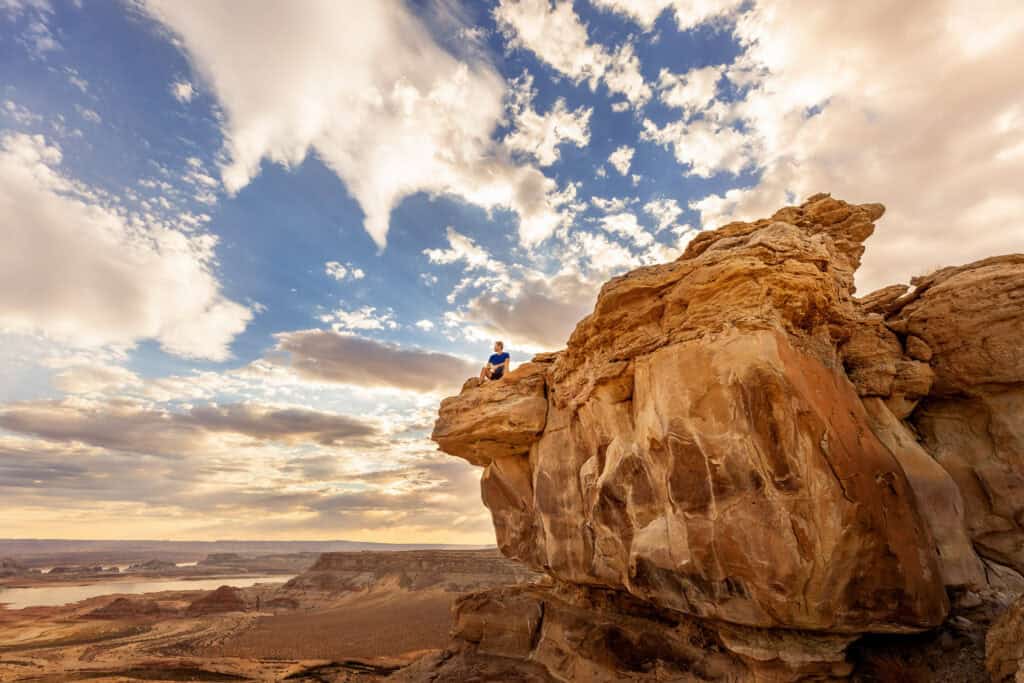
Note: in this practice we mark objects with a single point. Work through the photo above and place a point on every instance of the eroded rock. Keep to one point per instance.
(1004, 646)
(496, 418)
(732, 438)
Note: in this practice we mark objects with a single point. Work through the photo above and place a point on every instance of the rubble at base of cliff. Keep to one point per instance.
(738, 470)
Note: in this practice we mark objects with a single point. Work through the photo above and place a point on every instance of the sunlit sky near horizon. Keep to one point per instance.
(248, 247)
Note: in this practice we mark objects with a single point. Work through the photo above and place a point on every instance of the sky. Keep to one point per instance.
(248, 247)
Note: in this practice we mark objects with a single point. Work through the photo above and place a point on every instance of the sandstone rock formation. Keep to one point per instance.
(1004, 647)
(733, 437)
(224, 599)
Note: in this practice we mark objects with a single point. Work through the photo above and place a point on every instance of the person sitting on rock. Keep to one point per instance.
(497, 364)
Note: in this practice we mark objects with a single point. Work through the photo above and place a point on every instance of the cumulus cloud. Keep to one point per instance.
(707, 146)
(462, 249)
(555, 33)
(362, 318)
(664, 211)
(348, 359)
(391, 122)
(342, 272)
(135, 427)
(626, 225)
(843, 99)
(609, 205)
(539, 135)
(687, 13)
(88, 273)
(693, 91)
(621, 158)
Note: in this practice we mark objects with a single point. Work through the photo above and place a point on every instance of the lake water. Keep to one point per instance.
(48, 596)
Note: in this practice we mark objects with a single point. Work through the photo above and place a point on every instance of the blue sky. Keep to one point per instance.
(254, 245)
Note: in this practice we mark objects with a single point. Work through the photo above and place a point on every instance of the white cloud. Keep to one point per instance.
(182, 91)
(705, 146)
(610, 205)
(342, 272)
(19, 114)
(369, 89)
(626, 225)
(425, 325)
(539, 135)
(463, 249)
(843, 102)
(602, 256)
(621, 158)
(76, 80)
(688, 13)
(90, 274)
(93, 378)
(557, 36)
(363, 318)
(693, 91)
(665, 211)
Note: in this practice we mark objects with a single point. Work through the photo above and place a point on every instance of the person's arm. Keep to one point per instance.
(507, 365)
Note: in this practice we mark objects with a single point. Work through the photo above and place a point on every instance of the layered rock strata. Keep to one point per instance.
(337, 573)
(734, 438)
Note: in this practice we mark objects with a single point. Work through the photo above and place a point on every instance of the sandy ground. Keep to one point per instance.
(359, 637)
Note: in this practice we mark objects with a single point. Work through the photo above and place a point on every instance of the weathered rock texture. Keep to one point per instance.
(1004, 647)
(735, 437)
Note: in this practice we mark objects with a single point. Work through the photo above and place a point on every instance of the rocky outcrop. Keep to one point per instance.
(495, 419)
(338, 573)
(129, 608)
(1004, 646)
(224, 599)
(732, 438)
(972, 422)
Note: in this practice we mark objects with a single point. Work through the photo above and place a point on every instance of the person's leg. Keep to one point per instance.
(483, 373)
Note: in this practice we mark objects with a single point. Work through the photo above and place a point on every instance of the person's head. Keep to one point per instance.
(499, 346)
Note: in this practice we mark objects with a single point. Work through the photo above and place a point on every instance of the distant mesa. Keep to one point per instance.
(222, 558)
(736, 468)
(152, 566)
(11, 567)
(336, 574)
